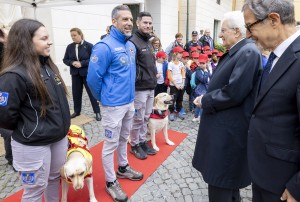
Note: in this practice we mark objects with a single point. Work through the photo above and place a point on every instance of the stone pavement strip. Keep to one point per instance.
(174, 180)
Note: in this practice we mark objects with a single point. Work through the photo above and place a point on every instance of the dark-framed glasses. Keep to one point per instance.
(249, 26)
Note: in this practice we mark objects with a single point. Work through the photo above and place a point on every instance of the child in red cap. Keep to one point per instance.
(162, 67)
(176, 75)
(201, 80)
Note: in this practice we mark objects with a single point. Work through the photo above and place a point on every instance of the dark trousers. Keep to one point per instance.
(160, 88)
(217, 194)
(262, 195)
(178, 95)
(6, 134)
(77, 88)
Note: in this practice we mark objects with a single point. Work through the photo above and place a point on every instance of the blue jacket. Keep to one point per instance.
(112, 70)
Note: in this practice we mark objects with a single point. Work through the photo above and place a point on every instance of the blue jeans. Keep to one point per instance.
(198, 112)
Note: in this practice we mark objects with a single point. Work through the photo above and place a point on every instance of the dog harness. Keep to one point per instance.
(158, 114)
(78, 143)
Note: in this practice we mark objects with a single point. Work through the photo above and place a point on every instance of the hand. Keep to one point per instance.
(198, 101)
(158, 75)
(286, 196)
(76, 64)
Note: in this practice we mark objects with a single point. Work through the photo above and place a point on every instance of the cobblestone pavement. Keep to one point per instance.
(174, 180)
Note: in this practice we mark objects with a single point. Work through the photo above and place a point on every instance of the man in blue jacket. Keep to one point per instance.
(111, 77)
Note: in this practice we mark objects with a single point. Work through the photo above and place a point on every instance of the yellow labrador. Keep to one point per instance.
(78, 165)
(159, 118)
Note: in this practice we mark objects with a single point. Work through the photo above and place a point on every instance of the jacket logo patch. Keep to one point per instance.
(123, 60)
(3, 98)
(57, 80)
(108, 133)
(131, 51)
(28, 178)
(94, 59)
(144, 49)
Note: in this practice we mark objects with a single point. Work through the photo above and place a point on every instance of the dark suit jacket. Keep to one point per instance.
(204, 41)
(220, 153)
(274, 133)
(84, 53)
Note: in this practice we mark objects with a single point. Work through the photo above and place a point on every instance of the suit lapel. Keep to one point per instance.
(283, 64)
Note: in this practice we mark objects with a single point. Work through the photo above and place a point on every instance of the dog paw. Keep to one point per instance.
(156, 148)
(169, 142)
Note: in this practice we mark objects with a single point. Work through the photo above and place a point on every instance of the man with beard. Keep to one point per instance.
(144, 86)
(111, 77)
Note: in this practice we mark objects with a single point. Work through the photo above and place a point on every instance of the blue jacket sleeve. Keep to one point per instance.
(99, 63)
(165, 69)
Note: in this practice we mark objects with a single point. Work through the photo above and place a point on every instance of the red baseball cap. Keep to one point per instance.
(215, 51)
(193, 49)
(198, 47)
(195, 55)
(185, 54)
(220, 54)
(203, 58)
(208, 53)
(161, 54)
(178, 49)
(206, 48)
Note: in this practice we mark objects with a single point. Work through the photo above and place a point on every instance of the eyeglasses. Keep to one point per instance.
(249, 26)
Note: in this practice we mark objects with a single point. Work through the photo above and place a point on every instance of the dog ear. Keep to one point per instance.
(63, 172)
(155, 100)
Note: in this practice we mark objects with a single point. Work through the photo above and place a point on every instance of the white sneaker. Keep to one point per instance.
(195, 119)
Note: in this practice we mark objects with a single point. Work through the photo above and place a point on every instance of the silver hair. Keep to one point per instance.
(115, 11)
(235, 19)
(261, 9)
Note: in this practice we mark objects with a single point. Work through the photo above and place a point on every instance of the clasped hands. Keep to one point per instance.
(76, 64)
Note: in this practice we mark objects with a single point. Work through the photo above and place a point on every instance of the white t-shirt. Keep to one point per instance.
(176, 72)
(159, 67)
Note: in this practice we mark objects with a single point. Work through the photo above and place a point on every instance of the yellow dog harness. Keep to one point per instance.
(78, 142)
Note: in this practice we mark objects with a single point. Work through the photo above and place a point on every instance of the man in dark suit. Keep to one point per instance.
(274, 131)
(77, 56)
(220, 152)
(206, 40)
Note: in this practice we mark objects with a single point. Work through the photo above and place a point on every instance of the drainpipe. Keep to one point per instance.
(187, 21)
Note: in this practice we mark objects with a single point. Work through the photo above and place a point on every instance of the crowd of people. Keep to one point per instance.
(247, 105)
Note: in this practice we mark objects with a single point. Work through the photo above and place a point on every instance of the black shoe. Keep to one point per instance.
(138, 152)
(98, 117)
(10, 162)
(74, 115)
(149, 150)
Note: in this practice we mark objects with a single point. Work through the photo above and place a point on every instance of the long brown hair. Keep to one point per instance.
(20, 53)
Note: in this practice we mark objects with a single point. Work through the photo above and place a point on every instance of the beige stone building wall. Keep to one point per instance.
(202, 14)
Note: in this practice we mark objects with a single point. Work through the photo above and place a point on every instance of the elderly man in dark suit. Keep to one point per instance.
(220, 152)
(77, 56)
(274, 133)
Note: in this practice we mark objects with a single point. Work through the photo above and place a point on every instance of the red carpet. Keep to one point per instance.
(147, 167)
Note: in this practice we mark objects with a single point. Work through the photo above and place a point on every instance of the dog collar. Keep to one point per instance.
(158, 114)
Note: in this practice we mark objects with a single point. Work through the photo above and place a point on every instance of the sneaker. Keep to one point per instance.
(138, 152)
(172, 116)
(181, 116)
(130, 174)
(116, 192)
(149, 150)
(195, 119)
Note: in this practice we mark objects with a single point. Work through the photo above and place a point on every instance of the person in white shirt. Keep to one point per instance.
(176, 75)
